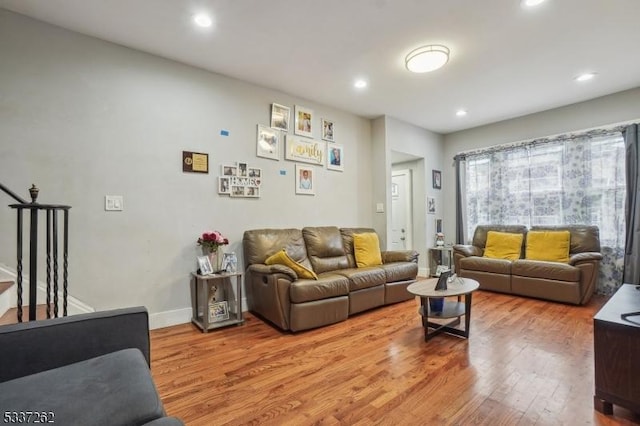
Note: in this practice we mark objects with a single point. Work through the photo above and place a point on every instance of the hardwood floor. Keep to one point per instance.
(526, 362)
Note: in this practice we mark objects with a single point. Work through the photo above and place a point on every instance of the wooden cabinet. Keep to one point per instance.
(617, 352)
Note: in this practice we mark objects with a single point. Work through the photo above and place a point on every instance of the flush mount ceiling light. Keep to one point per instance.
(531, 3)
(585, 77)
(202, 20)
(360, 84)
(461, 112)
(427, 58)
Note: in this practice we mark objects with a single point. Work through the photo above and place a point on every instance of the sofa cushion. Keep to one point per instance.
(552, 246)
(259, 244)
(360, 278)
(282, 258)
(400, 271)
(366, 249)
(503, 245)
(113, 389)
(547, 270)
(325, 249)
(327, 285)
(485, 264)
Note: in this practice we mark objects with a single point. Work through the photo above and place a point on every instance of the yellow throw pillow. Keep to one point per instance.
(552, 246)
(366, 249)
(503, 245)
(282, 258)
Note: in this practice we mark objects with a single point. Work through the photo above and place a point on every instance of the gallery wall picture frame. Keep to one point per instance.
(305, 180)
(327, 130)
(237, 191)
(255, 172)
(224, 186)
(252, 192)
(280, 115)
(304, 150)
(335, 157)
(437, 179)
(243, 170)
(303, 121)
(268, 143)
(229, 170)
(431, 205)
(195, 162)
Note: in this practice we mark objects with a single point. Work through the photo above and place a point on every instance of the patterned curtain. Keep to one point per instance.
(570, 180)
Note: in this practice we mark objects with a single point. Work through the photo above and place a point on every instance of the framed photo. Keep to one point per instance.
(437, 179)
(438, 225)
(230, 262)
(431, 205)
(268, 143)
(304, 150)
(242, 170)
(218, 311)
(304, 118)
(237, 191)
(229, 170)
(280, 117)
(335, 157)
(204, 265)
(252, 191)
(224, 186)
(305, 180)
(327, 130)
(255, 173)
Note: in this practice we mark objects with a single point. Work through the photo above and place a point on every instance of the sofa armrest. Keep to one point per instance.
(35, 346)
(584, 257)
(467, 250)
(399, 256)
(259, 268)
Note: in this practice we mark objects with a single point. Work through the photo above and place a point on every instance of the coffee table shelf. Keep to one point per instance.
(450, 309)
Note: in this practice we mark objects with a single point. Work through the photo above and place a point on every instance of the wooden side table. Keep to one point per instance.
(208, 315)
(440, 256)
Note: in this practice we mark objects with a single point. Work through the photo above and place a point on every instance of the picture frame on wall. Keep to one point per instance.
(305, 183)
(242, 170)
(431, 205)
(303, 121)
(224, 186)
(280, 117)
(335, 157)
(327, 130)
(252, 192)
(237, 191)
(268, 143)
(437, 179)
(228, 170)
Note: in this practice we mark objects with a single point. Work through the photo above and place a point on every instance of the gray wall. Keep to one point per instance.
(83, 118)
(607, 110)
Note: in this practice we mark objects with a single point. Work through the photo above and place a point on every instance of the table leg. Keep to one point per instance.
(467, 314)
(205, 306)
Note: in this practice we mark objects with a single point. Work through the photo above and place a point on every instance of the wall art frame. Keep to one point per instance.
(280, 116)
(268, 143)
(335, 157)
(305, 180)
(437, 179)
(304, 150)
(303, 121)
(327, 130)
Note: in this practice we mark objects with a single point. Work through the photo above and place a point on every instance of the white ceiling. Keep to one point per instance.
(506, 61)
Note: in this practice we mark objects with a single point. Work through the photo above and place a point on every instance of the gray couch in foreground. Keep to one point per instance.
(89, 369)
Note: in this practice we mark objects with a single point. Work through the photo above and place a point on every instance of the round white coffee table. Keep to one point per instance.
(450, 308)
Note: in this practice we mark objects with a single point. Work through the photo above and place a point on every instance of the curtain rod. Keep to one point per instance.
(539, 141)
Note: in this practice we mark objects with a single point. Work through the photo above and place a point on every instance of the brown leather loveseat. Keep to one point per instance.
(572, 282)
(276, 293)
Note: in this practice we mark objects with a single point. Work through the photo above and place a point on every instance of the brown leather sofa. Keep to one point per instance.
(275, 293)
(574, 282)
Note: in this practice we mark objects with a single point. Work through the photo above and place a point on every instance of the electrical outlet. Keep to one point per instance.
(114, 203)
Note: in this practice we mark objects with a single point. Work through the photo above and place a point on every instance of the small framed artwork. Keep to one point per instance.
(327, 130)
(195, 162)
(335, 159)
(431, 205)
(252, 191)
(438, 225)
(254, 172)
(218, 311)
(303, 121)
(268, 143)
(242, 170)
(229, 170)
(280, 117)
(224, 186)
(204, 265)
(437, 179)
(304, 180)
(237, 191)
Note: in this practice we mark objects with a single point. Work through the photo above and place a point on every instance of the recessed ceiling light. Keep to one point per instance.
(461, 112)
(585, 77)
(531, 3)
(202, 20)
(427, 58)
(360, 84)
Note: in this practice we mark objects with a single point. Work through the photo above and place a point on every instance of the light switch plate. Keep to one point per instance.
(114, 203)
(379, 208)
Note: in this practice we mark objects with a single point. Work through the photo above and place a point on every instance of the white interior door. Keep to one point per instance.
(401, 218)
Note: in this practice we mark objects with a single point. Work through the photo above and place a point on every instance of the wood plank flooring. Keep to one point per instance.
(526, 362)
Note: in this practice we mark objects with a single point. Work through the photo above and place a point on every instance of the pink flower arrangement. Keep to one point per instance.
(212, 240)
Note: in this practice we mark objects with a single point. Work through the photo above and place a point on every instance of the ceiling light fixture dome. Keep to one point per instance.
(427, 58)
(202, 20)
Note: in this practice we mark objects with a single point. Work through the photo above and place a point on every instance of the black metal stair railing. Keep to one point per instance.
(52, 245)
